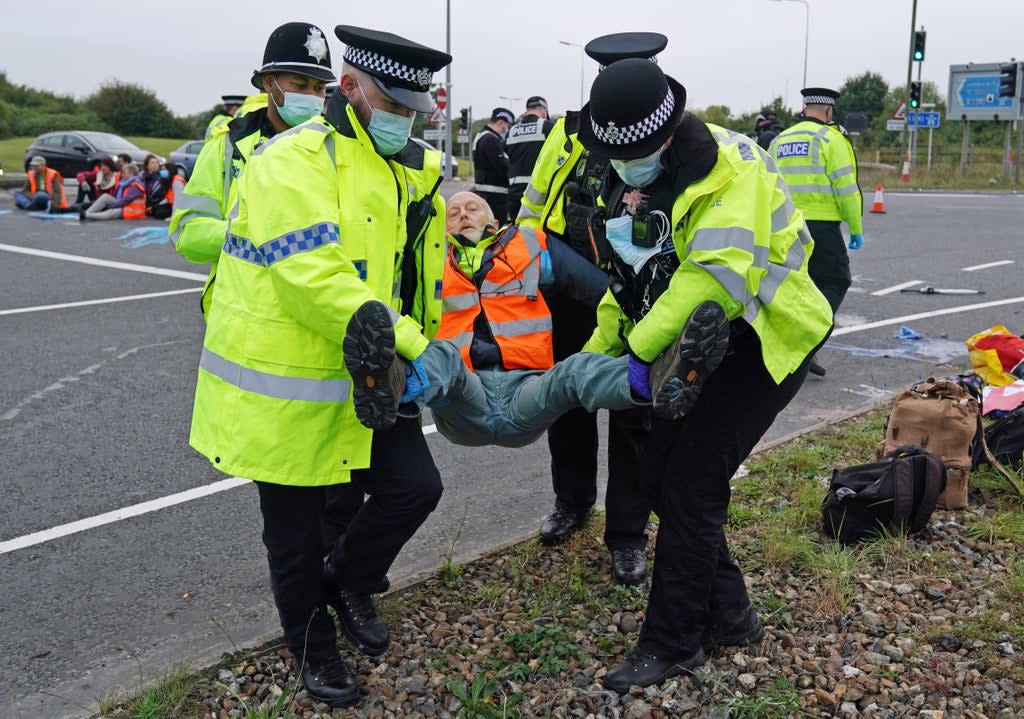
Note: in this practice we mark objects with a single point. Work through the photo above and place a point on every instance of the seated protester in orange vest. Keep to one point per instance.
(43, 188)
(128, 201)
(489, 375)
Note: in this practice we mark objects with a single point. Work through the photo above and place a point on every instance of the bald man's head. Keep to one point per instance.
(469, 216)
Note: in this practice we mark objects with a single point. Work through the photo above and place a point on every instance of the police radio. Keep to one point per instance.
(417, 218)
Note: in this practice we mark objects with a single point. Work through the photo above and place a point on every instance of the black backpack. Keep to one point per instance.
(897, 493)
(1005, 438)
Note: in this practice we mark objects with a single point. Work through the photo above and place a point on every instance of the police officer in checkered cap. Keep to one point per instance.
(709, 276)
(338, 214)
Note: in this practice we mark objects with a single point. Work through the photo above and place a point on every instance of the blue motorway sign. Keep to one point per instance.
(974, 94)
(922, 119)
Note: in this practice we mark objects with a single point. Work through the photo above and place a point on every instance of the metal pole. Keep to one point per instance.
(807, 35)
(448, 89)
(1006, 149)
(904, 136)
(930, 149)
(963, 147)
(1020, 148)
(576, 44)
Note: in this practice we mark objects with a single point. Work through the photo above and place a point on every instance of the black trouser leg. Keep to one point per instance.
(572, 440)
(291, 534)
(829, 266)
(404, 487)
(341, 503)
(627, 504)
(691, 462)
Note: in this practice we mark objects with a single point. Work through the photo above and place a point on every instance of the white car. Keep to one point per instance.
(426, 145)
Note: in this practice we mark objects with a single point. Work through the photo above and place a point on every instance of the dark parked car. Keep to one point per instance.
(185, 157)
(75, 151)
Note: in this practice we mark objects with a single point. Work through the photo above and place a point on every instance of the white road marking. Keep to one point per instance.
(179, 274)
(896, 288)
(105, 301)
(135, 510)
(926, 315)
(985, 266)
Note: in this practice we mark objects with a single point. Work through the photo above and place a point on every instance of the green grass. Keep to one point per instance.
(170, 696)
(980, 176)
(12, 150)
(779, 700)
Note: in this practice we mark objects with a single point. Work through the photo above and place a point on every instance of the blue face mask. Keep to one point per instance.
(639, 173)
(164, 174)
(389, 131)
(297, 107)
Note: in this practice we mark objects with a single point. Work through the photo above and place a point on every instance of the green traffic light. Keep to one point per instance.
(914, 103)
(918, 55)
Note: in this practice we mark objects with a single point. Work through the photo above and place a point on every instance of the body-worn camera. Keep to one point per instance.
(645, 233)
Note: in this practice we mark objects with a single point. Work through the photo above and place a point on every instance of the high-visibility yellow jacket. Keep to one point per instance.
(543, 205)
(819, 166)
(742, 243)
(199, 221)
(218, 120)
(319, 230)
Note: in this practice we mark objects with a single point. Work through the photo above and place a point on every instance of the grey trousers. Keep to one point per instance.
(98, 210)
(513, 408)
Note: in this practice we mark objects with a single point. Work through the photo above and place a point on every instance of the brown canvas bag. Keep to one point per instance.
(941, 417)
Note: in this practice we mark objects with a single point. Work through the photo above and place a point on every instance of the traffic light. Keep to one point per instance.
(464, 118)
(915, 95)
(919, 36)
(1008, 80)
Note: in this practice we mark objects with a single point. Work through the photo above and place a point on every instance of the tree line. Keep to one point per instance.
(120, 107)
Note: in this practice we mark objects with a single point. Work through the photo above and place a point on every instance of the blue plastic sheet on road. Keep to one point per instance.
(905, 333)
(48, 216)
(142, 236)
(5, 212)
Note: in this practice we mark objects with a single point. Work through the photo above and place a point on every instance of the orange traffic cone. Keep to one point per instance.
(878, 207)
(905, 175)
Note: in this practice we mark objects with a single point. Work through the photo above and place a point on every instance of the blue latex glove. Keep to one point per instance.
(415, 380)
(639, 377)
(856, 242)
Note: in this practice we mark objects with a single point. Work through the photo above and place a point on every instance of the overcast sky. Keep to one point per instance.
(739, 53)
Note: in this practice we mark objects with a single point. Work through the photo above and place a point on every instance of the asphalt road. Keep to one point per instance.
(95, 403)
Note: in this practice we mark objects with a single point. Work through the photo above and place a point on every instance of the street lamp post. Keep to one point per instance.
(576, 44)
(807, 30)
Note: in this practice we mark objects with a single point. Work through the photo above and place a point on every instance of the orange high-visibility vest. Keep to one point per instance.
(509, 298)
(136, 209)
(50, 175)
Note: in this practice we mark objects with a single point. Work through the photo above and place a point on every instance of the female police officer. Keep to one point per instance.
(707, 241)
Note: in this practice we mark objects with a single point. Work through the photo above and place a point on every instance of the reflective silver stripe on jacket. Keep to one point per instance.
(272, 385)
(716, 238)
(812, 189)
(848, 190)
(456, 303)
(535, 196)
(519, 180)
(228, 166)
(313, 127)
(529, 280)
(196, 206)
(517, 328)
(783, 214)
(496, 189)
(841, 172)
(462, 339)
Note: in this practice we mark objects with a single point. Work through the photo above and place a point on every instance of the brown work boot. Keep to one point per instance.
(377, 372)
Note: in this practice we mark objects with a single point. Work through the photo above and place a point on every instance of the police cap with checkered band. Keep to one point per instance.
(402, 69)
(634, 108)
(624, 45)
(298, 48)
(819, 96)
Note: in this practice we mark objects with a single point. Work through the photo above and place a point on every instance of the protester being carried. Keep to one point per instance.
(490, 377)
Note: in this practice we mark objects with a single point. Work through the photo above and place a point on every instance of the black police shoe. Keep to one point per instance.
(816, 368)
(629, 566)
(643, 670)
(359, 619)
(329, 681)
(377, 373)
(741, 631)
(679, 372)
(561, 524)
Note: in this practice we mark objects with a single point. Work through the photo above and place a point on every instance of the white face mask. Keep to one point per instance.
(641, 172)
